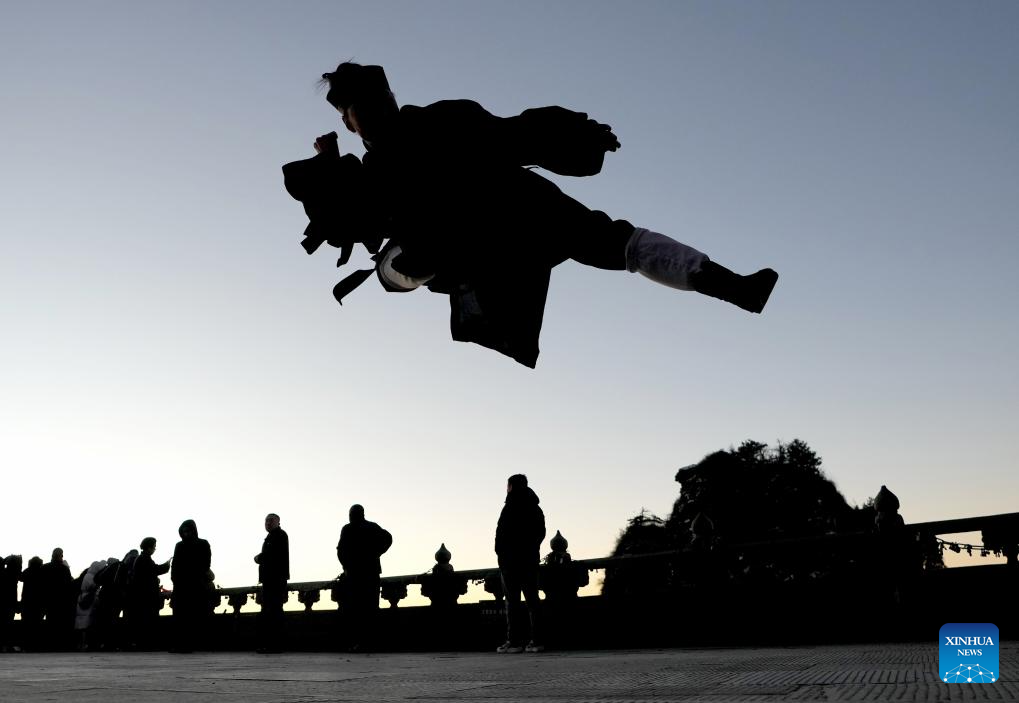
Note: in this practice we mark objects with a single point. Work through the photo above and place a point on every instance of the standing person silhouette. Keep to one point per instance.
(10, 575)
(448, 184)
(60, 597)
(273, 573)
(361, 545)
(32, 603)
(145, 596)
(189, 572)
(518, 538)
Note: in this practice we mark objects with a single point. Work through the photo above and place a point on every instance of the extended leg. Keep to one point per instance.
(593, 238)
(674, 264)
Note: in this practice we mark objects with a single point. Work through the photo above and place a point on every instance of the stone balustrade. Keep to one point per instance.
(561, 576)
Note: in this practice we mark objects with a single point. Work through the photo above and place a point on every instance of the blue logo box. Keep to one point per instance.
(968, 652)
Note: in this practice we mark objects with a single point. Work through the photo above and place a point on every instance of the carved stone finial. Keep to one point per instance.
(442, 584)
(558, 543)
(885, 501)
(886, 505)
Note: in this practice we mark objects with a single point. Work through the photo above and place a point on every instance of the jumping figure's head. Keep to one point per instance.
(363, 97)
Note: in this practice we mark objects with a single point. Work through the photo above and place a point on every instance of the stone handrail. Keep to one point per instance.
(562, 574)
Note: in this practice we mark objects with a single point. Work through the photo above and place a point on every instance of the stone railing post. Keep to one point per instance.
(336, 594)
(443, 586)
(1004, 539)
(393, 592)
(309, 598)
(560, 578)
(237, 601)
(493, 585)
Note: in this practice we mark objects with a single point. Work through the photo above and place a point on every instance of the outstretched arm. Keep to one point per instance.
(563, 141)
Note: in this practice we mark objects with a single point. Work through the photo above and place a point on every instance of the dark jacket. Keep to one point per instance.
(360, 546)
(32, 589)
(10, 574)
(462, 205)
(451, 178)
(58, 586)
(125, 572)
(192, 559)
(144, 585)
(520, 531)
(450, 185)
(274, 560)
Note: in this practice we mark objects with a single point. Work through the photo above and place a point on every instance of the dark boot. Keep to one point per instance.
(748, 292)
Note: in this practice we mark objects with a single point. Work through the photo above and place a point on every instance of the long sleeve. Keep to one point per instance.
(274, 561)
(343, 548)
(563, 141)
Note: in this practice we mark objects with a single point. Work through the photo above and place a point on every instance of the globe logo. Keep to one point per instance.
(969, 673)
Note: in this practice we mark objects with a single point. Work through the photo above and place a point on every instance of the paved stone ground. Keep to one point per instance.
(837, 673)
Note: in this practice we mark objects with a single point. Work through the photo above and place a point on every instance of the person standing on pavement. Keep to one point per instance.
(361, 545)
(518, 539)
(189, 571)
(273, 573)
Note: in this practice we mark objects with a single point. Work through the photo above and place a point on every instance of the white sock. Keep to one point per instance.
(662, 258)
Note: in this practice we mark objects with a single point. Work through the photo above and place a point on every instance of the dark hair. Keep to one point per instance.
(147, 543)
(517, 481)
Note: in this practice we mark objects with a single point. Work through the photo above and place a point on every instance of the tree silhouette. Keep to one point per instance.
(751, 494)
(644, 533)
(755, 493)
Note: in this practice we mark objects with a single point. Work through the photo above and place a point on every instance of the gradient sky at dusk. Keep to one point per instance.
(169, 351)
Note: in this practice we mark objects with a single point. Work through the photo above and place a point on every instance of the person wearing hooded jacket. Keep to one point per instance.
(86, 613)
(189, 572)
(518, 538)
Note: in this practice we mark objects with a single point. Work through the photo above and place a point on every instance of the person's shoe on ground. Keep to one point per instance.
(533, 647)
(509, 648)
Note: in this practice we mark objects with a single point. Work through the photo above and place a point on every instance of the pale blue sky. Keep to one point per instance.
(170, 352)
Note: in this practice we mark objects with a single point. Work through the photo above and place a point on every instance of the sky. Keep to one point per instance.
(169, 351)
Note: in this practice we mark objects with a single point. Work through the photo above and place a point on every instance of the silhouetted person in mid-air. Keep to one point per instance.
(360, 546)
(447, 184)
(189, 571)
(60, 597)
(518, 539)
(145, 596)
(273, 573)
(10, 574)
(32, 603)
